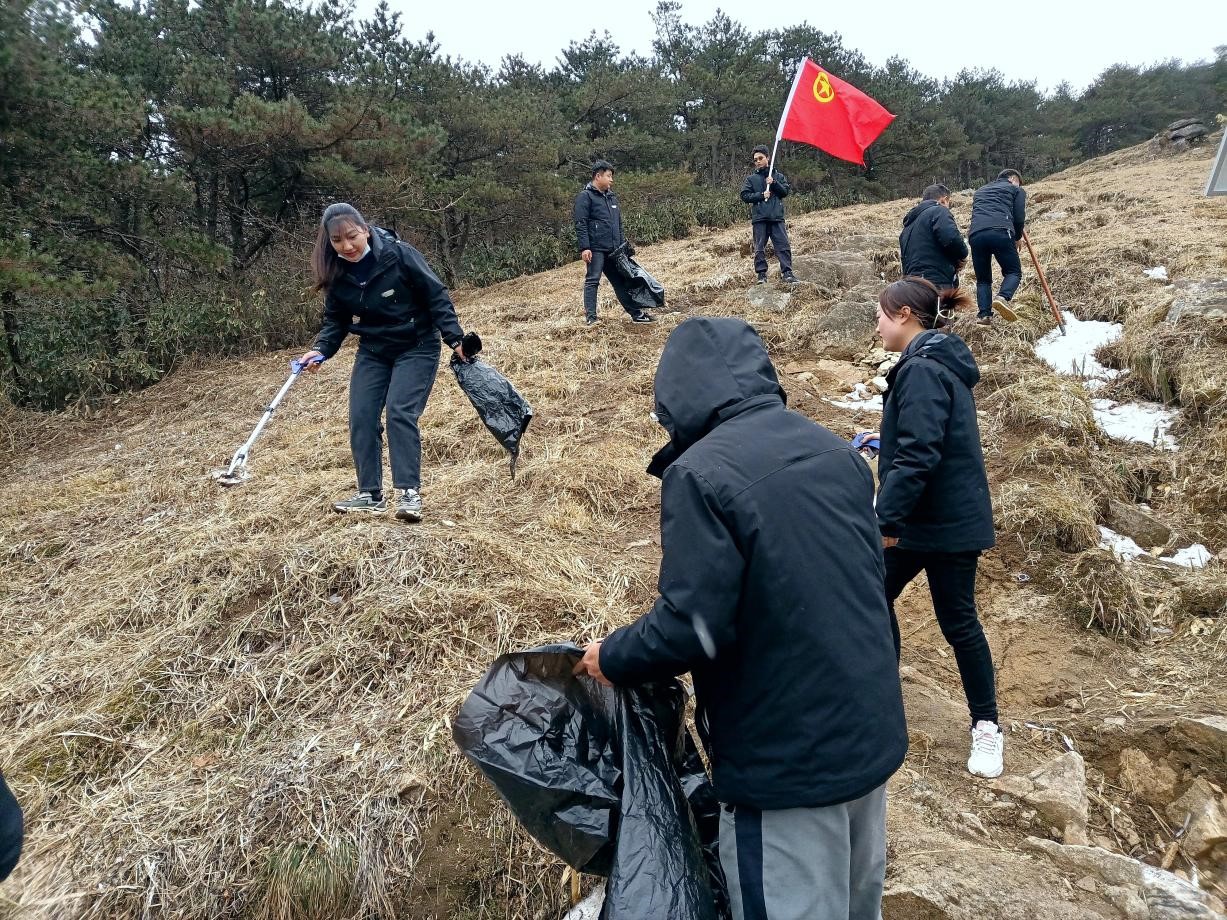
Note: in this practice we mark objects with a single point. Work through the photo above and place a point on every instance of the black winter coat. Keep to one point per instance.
(1000, 205)
(598, 220)
(930, 244)
(12, 828)
(933, 491)
(764, 209)
(771, 584)
(401, 303)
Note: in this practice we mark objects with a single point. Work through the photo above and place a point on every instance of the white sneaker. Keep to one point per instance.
(987, 750)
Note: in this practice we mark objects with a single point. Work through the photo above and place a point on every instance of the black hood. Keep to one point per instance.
(383, 244)
(911, 215)
(948, 350)
(709, 367)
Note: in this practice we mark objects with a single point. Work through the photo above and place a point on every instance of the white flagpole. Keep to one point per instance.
(787, 105)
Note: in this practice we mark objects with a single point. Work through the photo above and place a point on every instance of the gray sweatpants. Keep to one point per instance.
(806, 863)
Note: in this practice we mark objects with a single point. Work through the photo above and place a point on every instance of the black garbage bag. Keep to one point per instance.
(610, 780)
(503, 410)
(638, 288)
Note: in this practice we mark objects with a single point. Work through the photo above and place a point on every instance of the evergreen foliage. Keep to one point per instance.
(163, 162)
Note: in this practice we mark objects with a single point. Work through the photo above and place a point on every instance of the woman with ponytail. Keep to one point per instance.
(382, 291)
(933, 502)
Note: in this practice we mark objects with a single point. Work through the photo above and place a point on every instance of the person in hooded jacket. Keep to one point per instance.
(771, 596)
(765, 195)
(598, 233)
(381, 290)
(931, 245)
(933, 506)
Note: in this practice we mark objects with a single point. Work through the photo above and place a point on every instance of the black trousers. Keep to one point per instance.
(777, 232)
(403, 384)
(952, 585)
(987, 245)
(602, 263)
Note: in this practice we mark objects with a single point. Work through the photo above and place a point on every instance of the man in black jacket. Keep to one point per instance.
(998, 215)
(765, 194)
(771, 595)
(931, 245)
(598, 232)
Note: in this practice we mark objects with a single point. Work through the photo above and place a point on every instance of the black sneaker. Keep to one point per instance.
(762, 279)
(790, 278)
(591, 321)
(362, 502)
(984, 320)
(643, 316)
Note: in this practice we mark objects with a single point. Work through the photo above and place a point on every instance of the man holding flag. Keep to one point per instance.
(764, 191)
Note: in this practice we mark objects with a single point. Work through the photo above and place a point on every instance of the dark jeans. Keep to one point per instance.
(952, 585)
(985, 246)
(403, 384)
(601, 262)
(777, 232)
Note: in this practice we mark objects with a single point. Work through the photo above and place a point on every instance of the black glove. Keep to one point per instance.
(471, 345)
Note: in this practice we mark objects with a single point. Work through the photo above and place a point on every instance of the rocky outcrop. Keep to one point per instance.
(1057, 791)
(1205, 298)
(1180, 135)
(1139, 891)
(1137, 522)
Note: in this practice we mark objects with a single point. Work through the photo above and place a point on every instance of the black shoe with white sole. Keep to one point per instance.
(363, 502)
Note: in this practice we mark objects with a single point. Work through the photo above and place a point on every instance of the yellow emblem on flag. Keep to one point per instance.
(823, 90)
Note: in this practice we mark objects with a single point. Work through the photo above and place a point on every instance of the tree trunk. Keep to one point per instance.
(8, 303)
(214, 190)
(234, 211)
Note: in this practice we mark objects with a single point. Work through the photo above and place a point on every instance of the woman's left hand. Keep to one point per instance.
(459, 350)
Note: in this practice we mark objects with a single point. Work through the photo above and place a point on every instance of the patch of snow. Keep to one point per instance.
(1191, 557)
(861, 397)
(1074, 352)
(1123, 548)
(590, 907)
(1143, 422)
(1158, 273)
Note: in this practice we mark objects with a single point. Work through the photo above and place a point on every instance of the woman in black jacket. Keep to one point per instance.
(933, 502)
(382, 291)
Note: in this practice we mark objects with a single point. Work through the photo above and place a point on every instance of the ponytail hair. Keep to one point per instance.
(931, 307)
(325, 263)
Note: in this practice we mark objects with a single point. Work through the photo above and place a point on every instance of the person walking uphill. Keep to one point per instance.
(765, 194)
(931, 245)
(381, 290)
(771, 596)
(598, 233)
(933, 506)
(998, 215)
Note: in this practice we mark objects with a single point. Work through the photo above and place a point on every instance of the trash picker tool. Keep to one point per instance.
(236, 474)
(1052, 302)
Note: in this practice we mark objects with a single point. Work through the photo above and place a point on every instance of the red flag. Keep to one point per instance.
(825, 112)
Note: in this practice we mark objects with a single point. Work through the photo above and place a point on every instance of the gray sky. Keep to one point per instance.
(1045, 40)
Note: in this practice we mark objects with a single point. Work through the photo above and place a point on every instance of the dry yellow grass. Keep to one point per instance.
(235, 704)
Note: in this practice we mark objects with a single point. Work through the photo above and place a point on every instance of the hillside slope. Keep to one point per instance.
(233, 703)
